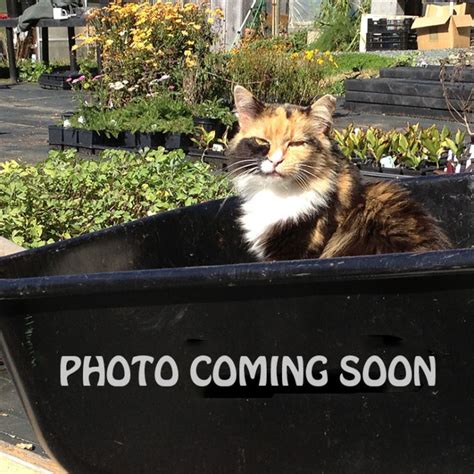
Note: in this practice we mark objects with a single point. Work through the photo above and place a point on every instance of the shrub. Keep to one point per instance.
(66, 196)
(339, 24)
(142, 42)
(274, 74)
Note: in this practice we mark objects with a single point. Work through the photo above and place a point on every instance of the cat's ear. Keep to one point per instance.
(248, 107)
(322, 111)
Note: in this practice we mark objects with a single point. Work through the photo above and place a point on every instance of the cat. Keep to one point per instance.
(301, 198)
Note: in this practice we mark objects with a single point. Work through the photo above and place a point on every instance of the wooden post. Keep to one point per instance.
(11, 55)
(45, 46)
(275, 17)
(71, 43)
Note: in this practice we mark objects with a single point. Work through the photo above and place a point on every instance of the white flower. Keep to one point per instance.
(81, 120)
(165, 77)
(67, 123)
(116, 86)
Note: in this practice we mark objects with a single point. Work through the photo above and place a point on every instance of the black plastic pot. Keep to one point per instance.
(130, 139)
(70, 137)
(210, 124)
(113, 141)
(177, 284)
(411, 172)
(370, 167)
(392, 170)
(175, 141)
(67, 115)
(89, 139)
(150, 139)
(55, 135)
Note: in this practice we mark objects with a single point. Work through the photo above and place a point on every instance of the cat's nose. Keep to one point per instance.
(276, 157)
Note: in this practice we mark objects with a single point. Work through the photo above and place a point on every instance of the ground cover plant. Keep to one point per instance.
(413, 147)
(66, 196)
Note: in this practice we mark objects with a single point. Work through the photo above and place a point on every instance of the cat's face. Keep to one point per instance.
(281, 145)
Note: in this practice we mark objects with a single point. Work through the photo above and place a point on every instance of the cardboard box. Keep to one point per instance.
(446, 26)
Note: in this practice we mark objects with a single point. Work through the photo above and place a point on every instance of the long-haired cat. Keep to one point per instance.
(302, 199)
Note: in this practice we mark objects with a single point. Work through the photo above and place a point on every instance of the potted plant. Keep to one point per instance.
(213, 115)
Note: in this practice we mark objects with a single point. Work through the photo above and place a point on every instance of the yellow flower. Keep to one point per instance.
(190, 62)
(210, 20)
(197, 27)
(320, 61)
(187, 53)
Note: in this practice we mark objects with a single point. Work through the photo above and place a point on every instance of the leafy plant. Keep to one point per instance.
(214, 109)
(66, 196)
(163, 113)
(412, 147)
(339, 25)
(30, 71)
(204, 139)
(456, 143)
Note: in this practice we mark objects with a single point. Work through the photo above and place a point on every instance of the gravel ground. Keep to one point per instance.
(430, 57)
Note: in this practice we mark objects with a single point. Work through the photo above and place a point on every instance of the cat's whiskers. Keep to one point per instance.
(243, 163)
(250, 169)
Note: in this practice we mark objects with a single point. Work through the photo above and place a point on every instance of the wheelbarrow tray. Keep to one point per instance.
(181, 284)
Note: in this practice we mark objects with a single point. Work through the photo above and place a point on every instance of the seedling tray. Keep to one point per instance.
(181, 285)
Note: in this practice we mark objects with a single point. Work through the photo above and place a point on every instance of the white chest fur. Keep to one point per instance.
(265, 206)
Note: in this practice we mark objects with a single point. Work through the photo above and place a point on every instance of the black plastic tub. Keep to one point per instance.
(209, 125)
(181, 284)
(175, 141)
(55, 135)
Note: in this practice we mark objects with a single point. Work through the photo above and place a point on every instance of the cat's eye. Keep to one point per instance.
(261, 141)
(298, 143)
